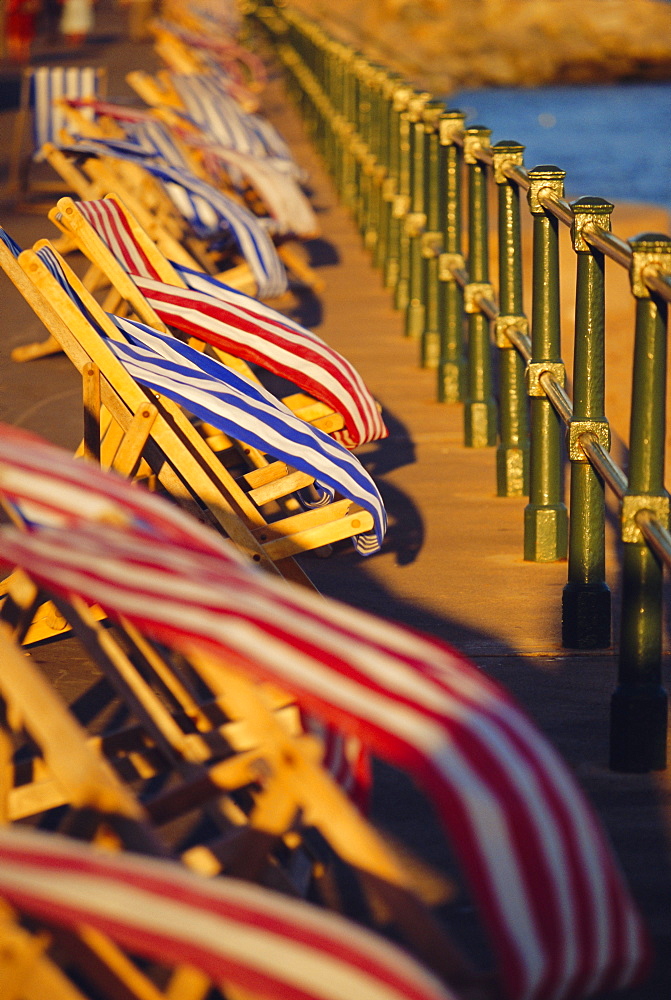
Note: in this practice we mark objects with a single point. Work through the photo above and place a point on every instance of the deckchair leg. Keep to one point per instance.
(298, 267)
(30, 619)
(38, 349)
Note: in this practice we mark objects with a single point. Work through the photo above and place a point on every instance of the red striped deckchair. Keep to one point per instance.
(560, 919)
(225, 318)
(45, 487)
(238, 934)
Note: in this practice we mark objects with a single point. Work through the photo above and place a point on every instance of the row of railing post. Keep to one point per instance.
(417, 181)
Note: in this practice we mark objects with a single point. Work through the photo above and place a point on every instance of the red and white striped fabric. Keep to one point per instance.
(560, 918)
(235, 932)
(47, 488)
(246, 328)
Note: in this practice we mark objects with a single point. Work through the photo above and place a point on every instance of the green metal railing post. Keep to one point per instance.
(512, 453)
(388, 167)
(363, 112)
(397, 193)
(451, 363)
(432, 242)
(415, 221)
(639, 704)
(545, 516)
(586, 596)
(480, 405)
(348, 185)
(375, 163)
(407, 194)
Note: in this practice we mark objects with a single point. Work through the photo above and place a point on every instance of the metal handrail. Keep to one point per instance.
(409, 168)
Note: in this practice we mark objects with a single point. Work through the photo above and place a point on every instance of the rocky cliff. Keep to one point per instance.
(443, 45)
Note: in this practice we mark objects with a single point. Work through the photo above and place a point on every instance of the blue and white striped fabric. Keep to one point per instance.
(251, 237)
(216, 113)
(241, 409)
(52, 83)
(248, 413)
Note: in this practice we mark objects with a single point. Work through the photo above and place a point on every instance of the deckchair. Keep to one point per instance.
(95, 177)
(280, 765)
(206, 180)
(225, 217)
(235, 165)
(178, 455)
(538, 866)
(41, 90)
(207, 934)
(204, 308)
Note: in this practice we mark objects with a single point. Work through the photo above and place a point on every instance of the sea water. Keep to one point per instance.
(613, 141)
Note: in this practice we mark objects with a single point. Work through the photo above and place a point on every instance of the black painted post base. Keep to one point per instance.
(586, 616)
(638, 721)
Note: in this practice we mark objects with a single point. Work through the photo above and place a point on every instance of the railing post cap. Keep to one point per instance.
(432, 113)
(401, 96)
(589, 211)
(592, 205)
(508, 146)
(476, 137)
(649, 251)
(480, 130)
(541, 178)
(506, 153)
(451, 126)
(659, 242)
(416, 105)
(547, 171)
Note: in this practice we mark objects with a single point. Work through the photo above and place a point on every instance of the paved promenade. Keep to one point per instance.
(452, 564)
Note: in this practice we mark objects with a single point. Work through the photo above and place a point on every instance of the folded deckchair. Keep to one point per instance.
(184, 463)
(204, 308)
(538, 865)
(42, 88)
(204, 934)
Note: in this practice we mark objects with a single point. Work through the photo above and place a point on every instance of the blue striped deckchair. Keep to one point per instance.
(41, 90)
(201, 306)
(231, 403)
(170, 135)
(218, 115)
(225, 216)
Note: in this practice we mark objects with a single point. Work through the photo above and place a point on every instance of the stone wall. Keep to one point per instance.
(442, 45)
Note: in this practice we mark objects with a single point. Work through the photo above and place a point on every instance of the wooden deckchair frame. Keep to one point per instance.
(177, 454)
(18, 181)
(291, 789)
(66, 217)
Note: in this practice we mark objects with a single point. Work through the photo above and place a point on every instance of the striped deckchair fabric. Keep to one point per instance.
(276, 191)
(42, 89)
(225, 217)
(45, 487)
(560, 919)
(240, 408)
(42, 486)
(178, 372)
(227, 319)
(236, 934)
